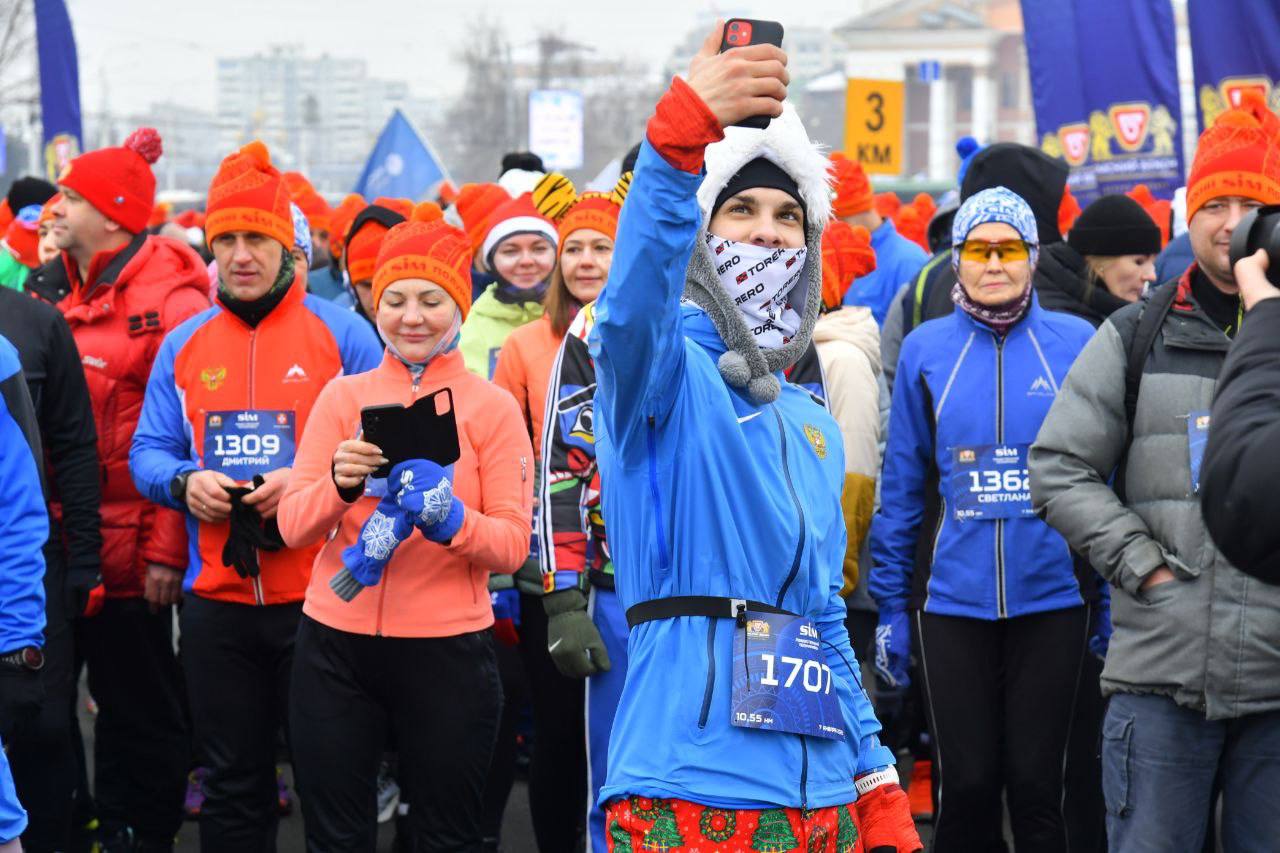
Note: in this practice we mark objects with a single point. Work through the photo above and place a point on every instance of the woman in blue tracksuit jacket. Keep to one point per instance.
(721, 493)
(998, 606)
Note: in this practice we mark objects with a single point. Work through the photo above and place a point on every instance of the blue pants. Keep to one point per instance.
(603, 692)
(1159, 761)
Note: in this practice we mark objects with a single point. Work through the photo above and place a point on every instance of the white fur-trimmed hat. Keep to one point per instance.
(785, 143)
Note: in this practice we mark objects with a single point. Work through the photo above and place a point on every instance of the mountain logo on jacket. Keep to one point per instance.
(1041, 388)
(296, 374)
(213, 377)
(817, 439)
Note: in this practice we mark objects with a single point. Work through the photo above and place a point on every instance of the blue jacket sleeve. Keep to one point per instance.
(24, 525)
(162, 443)
(638, 339)
(358, 344)
(907, 458)
(862, 725)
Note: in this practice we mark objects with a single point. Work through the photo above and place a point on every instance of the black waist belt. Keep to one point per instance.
(600, 580)
(711, 606)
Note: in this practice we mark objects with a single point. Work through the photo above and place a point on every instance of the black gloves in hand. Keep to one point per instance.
(249, 534)
(572, 638)
(83, 592)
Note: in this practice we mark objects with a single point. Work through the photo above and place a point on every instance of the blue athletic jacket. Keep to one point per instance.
(24, 524)
(706, 493)
(959, 386)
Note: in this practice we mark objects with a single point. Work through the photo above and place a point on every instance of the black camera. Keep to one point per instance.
(1259, 229)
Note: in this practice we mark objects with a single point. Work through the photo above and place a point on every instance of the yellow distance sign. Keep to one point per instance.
(873, 123)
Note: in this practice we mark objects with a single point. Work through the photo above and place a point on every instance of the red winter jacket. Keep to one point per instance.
(119, 313)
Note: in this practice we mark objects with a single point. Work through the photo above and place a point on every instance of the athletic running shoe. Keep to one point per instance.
(119, 841)
(194, 800)
(920, 791)
(388, 793)
(284, 800)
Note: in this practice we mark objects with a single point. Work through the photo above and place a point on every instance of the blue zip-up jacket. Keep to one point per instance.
(24, 524)
(706, 493)
(898, 261)
(960, 385)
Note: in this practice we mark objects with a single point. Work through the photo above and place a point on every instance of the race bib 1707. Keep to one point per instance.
(989, 482)
(244, 443)
(780, 681)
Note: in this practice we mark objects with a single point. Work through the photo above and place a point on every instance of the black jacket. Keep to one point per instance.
(1238, 493)
(1061, 279)
(50, 282)
(64, 414)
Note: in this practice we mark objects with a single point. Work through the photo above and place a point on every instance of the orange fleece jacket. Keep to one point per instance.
(427, 590)
(524, 369)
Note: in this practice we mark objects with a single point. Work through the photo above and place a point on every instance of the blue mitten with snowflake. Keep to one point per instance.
(363, 562)
(425, 491)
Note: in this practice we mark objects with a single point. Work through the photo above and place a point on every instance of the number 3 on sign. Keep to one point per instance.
(873, 124)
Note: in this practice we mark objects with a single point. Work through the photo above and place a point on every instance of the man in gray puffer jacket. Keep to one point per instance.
(1193, 669)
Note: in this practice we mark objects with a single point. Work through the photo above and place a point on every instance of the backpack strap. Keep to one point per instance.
(1144, 338)
(919, 293)
(1150, 320)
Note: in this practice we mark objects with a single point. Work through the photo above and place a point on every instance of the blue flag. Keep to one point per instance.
(1105, 101)
(59, 85)
(1233, 49)
(401, 164)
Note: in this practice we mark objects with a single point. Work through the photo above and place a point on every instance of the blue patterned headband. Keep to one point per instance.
(301, 231)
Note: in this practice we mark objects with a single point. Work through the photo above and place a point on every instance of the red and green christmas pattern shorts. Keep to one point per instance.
(642, 823)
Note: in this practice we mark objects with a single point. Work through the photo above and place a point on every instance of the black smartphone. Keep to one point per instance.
(740, 32)
(426, 430)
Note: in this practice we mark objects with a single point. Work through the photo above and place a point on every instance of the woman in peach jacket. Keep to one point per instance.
(395, 631)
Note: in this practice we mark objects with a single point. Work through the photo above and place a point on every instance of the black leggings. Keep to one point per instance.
(237, 658)
(558, 765)
(142, 747)
(1000, 696)
(439, 696)
(41, 750)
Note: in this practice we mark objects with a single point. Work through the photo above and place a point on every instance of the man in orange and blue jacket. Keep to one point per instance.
(226, 404)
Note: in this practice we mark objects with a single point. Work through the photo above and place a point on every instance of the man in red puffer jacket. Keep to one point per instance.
(127, 290)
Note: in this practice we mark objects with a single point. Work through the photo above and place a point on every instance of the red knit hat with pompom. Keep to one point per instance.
(247, 193)
(1238, 156)
(118, 182)
(426, 247)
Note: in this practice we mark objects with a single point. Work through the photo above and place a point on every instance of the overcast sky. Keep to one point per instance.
(142, 51)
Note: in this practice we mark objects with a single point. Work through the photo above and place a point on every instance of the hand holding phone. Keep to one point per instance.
(741, 74)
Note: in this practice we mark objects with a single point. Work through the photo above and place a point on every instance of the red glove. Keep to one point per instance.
(884, 820)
